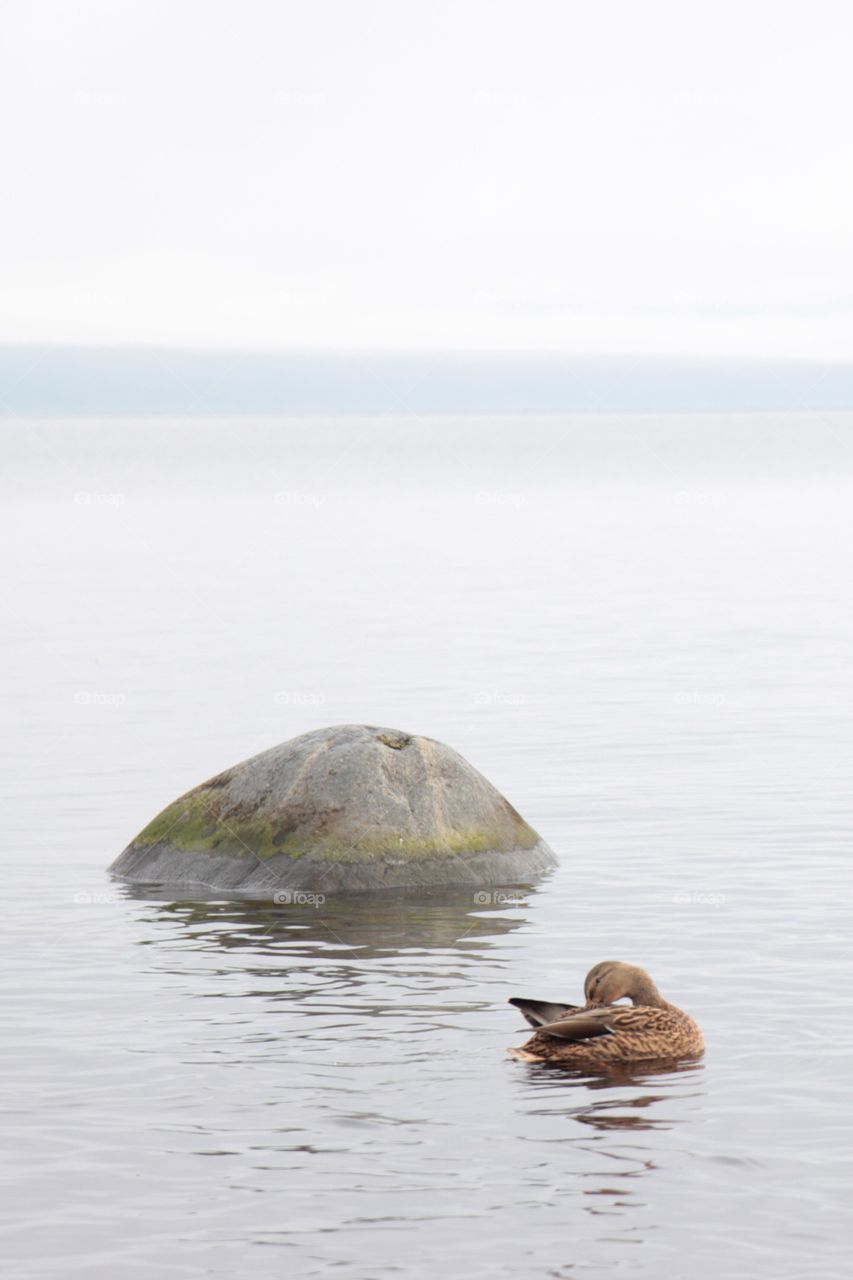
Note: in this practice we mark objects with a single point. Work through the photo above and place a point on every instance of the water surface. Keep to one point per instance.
(640, 629)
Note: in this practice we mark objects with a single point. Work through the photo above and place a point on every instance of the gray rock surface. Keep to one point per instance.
(344, 809)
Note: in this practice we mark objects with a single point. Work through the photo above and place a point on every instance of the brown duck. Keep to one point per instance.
(596, 1035)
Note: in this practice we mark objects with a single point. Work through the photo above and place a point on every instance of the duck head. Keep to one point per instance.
(612, 980)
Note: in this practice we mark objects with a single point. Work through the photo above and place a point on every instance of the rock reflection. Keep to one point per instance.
(366, 926)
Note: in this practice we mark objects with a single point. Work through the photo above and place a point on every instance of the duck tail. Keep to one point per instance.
(538, 1012)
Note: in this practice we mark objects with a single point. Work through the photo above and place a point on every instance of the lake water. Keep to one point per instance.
(640, 629)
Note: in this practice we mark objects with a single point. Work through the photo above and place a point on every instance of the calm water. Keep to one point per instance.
(641, 631)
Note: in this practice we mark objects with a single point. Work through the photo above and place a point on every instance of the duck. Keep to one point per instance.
(598, 1034)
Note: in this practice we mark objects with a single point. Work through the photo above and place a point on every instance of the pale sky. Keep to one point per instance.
(605, 176)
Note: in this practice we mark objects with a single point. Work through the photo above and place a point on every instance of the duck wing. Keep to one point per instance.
(538, 1012)
(586, 1024)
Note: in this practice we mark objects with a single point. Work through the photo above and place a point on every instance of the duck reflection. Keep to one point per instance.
(610, 1121)
(620, 1111)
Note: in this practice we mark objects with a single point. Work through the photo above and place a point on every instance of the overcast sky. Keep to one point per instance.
(600, 176)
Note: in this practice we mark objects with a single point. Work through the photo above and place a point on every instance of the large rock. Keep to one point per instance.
(343, 809)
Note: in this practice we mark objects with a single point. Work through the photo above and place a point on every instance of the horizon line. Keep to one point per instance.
(126, 379)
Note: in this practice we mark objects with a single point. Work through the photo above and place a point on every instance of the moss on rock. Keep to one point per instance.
(353, 797)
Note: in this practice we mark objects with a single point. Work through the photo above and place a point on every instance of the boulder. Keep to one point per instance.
(344, 809)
